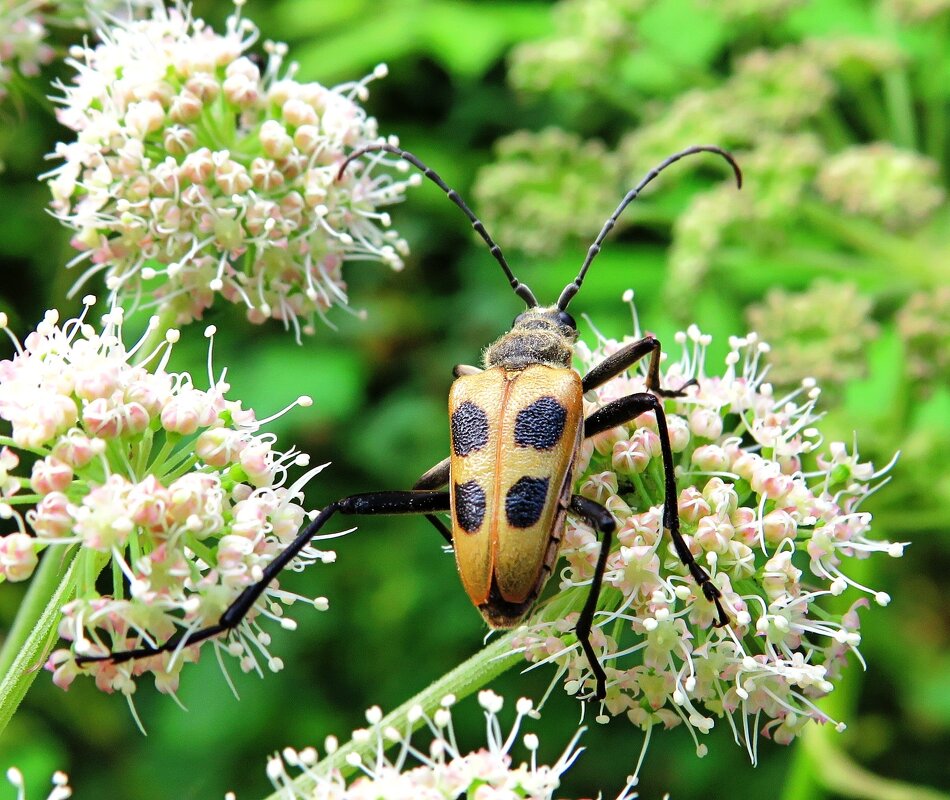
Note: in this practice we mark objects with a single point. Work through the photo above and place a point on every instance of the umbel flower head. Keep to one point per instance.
(769, 510)
(22, 41)
(195, 172)
(173, 490)
(442, 772)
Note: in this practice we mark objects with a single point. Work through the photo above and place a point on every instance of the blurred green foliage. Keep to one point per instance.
(572, 101)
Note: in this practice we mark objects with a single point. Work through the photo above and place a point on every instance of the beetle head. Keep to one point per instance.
(539, 335)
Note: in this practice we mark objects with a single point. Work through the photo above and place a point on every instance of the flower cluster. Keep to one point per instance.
(171, 488)
(924, 326)
(22, 41)
(900, 188)
(770, 513)
(822, 333)
(443, 773)
(195, 172)
(541, 207)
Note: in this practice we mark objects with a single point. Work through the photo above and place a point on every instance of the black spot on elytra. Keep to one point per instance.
(469, 506)
(469, 428)
(525, 501)
(540, 424)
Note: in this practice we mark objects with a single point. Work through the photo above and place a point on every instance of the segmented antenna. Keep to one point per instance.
(520, 288)
(571, 289)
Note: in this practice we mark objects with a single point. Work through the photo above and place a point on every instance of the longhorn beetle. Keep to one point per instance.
(516, 430)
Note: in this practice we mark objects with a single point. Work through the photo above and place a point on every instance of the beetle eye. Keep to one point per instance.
(516, 320)
(566, 320)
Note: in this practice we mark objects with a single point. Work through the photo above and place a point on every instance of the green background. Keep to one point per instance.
(398, 617)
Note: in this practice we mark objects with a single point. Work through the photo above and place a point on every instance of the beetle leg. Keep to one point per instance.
(465, 369)
(436, 478)
(624, 410)
(601, 519)
(625, 358)
(420, 502)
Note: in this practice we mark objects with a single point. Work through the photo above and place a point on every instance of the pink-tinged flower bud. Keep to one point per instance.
(102, 519)
(218, 447)
(17, 556)
(241, 91)
(721, 495)
(265, 174)
(599, 487)
(679, 432)
(778, 525)
(282, 91)
(275, 139)
(706, 424)
(710, 458)
(746, 526)
(257, 461)
(204, 86)
(145, 117)
(50, 475)
(617, 506)
(296, 112)
(179, 140)
(308, 139)
(640, 575)
(630, 457)
(642, 528)
(232, 178)
(714, 533)
(186, 107)
(780, 577)
(148, 501)
(198, 167)
(693, 505)
(286, 521)
(821, 545)
(605, 440)
(746, 464)
(101, 419)
(769, 480)
(51, 518)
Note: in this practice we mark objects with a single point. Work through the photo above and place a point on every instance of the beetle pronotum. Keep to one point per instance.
(516, 430)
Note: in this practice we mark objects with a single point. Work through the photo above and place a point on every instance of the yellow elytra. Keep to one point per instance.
(515, 437)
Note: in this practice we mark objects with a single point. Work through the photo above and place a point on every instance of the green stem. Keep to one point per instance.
(468, 677)
(34, 630)
(898, 97)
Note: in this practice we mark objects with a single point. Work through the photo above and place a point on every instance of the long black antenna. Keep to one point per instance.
(520, 288)
(571, 289)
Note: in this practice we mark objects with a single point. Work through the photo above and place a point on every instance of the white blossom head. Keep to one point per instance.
(172, 490)
(23, 47)
(196, 172)
(440, 771)
(766, 507)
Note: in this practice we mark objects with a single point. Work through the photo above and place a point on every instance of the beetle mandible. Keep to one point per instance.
(516, 430)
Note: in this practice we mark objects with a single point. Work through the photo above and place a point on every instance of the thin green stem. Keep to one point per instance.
(34, 630)
(470, 676)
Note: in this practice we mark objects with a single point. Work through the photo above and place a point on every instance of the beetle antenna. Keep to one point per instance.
(520, 288)
(571, 289)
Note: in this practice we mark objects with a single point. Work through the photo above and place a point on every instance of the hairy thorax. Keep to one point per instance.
(535, 338)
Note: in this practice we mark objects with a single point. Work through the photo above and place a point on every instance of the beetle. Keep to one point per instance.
(516, 428)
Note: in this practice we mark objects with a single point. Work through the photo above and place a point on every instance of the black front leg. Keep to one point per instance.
(624, 410)
(600, 518)
(625, 358)
(437, 478)
(421, 502)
